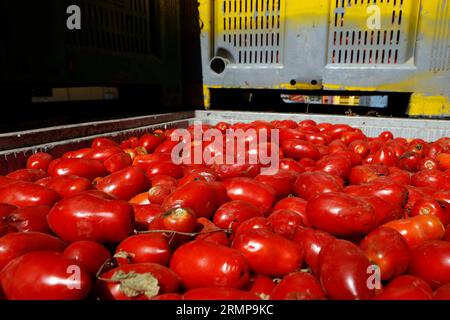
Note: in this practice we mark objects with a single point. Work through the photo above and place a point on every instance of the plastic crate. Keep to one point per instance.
(330, 45)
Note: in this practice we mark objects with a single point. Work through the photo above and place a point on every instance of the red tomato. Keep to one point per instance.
(45, 276)
(144, 215)
(384, 211)
(103, 153)
(389, 250)
(75, 154)
(201, 196)
(431, 178)
(40, 160)
(118, 162)
(165, 168)
(386, 136)
(177, 219)
(430, 261)
(298, 286)
(261, 285)
(406, 288)
(218, 265)
(89, 217)
(167, 146)
(251, 224)
(30, 219)
(360, 147)
(341, 214)
(298, 205)
(151, 141)
(344, 271)
(443, 160)
(367, 173)
(168, 296)
(88, 254)
(140, 199)
(310, 184)
(229, 171)
(268, 253)
(254, 192)
(211, 233)
(66, 186)
(219, 293)
(282, 182)
(103, 142)
(14, 245)
(86, 168)
(125, 183)
(27, 194)
(158, 194)
(198, 174)
(139, 281)
(291, 134)
(143, 248)
(312, 241)
(291, 165)
(144, 161)
(410, 161)
(442, 293)
(164, 180)
(5, 211)
(298, 149)
(418, 229)
(427, 164)
(233, 213)
(337, 165)
(285, 222)
(27, 175)
(390, 192)
(430, 207)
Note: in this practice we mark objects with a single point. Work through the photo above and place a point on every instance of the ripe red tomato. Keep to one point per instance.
(231, 214)
(431, 178)
(285, 222)
(406, 288)
(336, 164)
(201, 196)
(86, 168)
(218, 265)
(310, 184)
(389, 250)
(430, 207)
(140, 199)
(29, 219)
(27, 175)
(143, 161)
(219, 293)
(360, 147)
(384, 211)
(298, 205)
(125, 183)
(298, 149)
(443, 160)
(143, 248)
(118, 162)
(159, 193)
(177, 219)
(211, 233)
(298, 286)
(40, 160)
(344, 271)
(151, 141)
(103, 142)
(419, 229)
(14, 245)
(144, 215)
(88, 254)
(74, 154)
(268, 253)
(341, 214)
(292, 165)
(261, 285)
(367, 173)
(164, 168)
(442, 293)
(427, 164)
(282, 182)
(45, 276)
(390, 192)
(139, 281)
(27, 194)
(312, 241)
(89, 217)
(66, 186)
(251, 224)
(430, 261)
(254, 192)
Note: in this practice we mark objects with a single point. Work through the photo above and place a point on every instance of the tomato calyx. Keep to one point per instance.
(134, 284)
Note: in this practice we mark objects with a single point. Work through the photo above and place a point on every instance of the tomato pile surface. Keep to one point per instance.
(345, 216)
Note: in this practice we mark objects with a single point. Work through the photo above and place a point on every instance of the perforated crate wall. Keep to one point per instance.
(250, 31)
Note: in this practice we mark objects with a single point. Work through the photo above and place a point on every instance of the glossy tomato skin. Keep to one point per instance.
(367, 173)
(310, 184)
(103, 153)
(261, 286)
(442, 293)
(406, 288)
(298, 286)
(298, 149)
(158, 194)
(218, 265)
(430, 207)
(88, 217)
(144, 215)
(88, 254)
(103, 142)
(430, 261)
(66, 186)
(390, 192)
(165, 168)
(219, 293)
(338, 165)
(74, 154)
(251, 224)
(26, 194)
(125, 282)
(27, 175)
(151, 141)
(291, 165)
(298, 205)
(40, 160)
(202, 197)
(384, 211)
(125, 183)
(341, 214)
(285, 222)
(431, 178)
(254, 192)
(177, 219)
(86, 168)
(30, 219)
(143, 248)
(313, 241)
(44, 276)
(145, 160)
(14, 245)
(419, 229)
(268, 253)
(118, 162)
(343, 271)
(387, 248)
(232, 213)
(282, 182)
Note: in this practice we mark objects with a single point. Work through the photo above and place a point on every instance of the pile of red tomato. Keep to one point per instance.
(345, 217)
